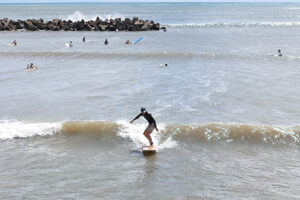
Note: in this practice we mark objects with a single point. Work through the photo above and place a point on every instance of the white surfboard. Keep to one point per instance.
(149, 150)
(68, 45)
(32, 69)
(8, 45)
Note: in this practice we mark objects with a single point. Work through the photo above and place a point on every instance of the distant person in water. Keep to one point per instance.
(128, 42)
(15, 43)
(83, 39)
(280, 53)
(30, 66)
(71, 44)
(150, 127)
(106, 42)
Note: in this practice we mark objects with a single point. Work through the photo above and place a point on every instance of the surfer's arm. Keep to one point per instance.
(155, 125)
(154, 122)
(136, 117)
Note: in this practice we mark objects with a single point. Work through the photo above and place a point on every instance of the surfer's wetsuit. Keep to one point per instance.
(149, 118)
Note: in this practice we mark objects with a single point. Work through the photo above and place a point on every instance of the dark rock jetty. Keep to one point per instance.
(117, 24)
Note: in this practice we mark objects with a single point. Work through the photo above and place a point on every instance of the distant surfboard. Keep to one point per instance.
(8, 45)
(138, 40)
(32, 69)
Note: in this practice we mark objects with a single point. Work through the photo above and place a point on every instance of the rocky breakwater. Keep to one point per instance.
(117, 24)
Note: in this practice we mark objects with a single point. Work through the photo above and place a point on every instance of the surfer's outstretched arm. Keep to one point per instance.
(136, 117)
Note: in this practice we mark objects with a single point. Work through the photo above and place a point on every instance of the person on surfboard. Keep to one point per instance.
(150, 127)
(14, 43)
(279, 53)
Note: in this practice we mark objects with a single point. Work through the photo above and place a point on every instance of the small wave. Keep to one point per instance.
(239, 24)
(95, 55)
(218, 132)
(169, 136)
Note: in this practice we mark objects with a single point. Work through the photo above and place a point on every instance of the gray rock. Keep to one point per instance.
(1, 27)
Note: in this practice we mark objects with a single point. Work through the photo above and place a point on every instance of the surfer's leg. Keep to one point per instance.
(147, 135)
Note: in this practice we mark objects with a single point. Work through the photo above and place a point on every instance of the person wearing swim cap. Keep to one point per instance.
(150, 127)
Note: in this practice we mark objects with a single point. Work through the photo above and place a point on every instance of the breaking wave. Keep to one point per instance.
(169, 136)
(78, 16)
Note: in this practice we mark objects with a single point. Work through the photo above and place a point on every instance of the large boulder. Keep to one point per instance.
(139, 23)
(55, 28)
(32, 27)
(103, 27)
(111, 28)
(88, 27)
(80, 25)
(1, 27)
(135, 19)
(145, 28)
(57, 22)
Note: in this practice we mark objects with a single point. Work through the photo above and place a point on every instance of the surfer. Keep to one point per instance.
(83, 39)
(128, 42)
(106, 42)
(70, 44)
(14, 42)
(30, 66)
(279, 53)
(150, 127)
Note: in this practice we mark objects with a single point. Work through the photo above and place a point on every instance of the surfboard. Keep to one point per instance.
(149, 150)
(68, 45)
(138, 40)
(8, 45)
(32, 69)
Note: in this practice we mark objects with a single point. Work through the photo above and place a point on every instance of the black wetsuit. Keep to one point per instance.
(148, 117)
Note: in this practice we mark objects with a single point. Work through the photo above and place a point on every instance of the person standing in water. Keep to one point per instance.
(150, 127)
(83, 39)
(280, 53)
(106, 42)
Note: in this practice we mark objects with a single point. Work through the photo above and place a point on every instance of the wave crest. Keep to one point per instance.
(170, 134)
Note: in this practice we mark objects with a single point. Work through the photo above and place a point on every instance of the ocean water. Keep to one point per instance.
(226, 106)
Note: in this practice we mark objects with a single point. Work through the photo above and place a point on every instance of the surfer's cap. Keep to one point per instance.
(143, 109)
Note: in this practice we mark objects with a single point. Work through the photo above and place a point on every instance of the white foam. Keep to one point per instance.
(135, 133)
(11, 129)
(78, 16)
